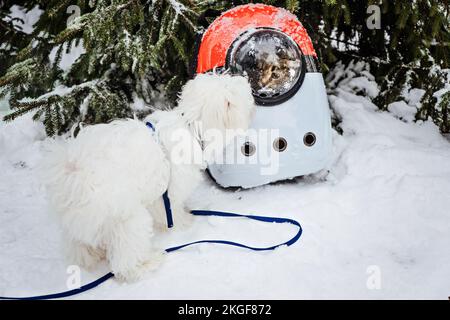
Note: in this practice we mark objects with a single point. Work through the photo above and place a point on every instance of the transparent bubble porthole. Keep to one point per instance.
(273, 63)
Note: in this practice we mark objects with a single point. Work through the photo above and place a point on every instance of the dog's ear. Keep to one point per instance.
(217, 108)
(218, 101)
(240, 102)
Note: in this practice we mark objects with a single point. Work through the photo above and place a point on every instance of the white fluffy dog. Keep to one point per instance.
(106, 185)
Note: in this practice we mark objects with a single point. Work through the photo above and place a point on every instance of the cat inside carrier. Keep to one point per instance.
(291, 132)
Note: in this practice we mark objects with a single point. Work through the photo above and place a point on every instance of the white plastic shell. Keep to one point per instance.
(306, 112)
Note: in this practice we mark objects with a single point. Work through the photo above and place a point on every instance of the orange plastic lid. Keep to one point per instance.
(224, 30)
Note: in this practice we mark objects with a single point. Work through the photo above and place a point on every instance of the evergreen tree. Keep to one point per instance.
(131, 47)
(12, 37)
(135, 48)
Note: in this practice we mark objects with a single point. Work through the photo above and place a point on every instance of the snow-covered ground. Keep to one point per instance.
(376, 227)
(4, 107)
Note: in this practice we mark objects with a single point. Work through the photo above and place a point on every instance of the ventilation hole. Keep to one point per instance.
(280, 144)
(248, 149)
(309, 139)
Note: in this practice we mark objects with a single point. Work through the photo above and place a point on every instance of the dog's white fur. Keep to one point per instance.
(106, 184)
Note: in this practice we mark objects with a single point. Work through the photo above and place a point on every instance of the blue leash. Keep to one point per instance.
(169, 217)
(203, 213)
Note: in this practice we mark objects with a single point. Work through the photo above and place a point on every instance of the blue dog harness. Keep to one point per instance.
(203, 213)
(165, 196)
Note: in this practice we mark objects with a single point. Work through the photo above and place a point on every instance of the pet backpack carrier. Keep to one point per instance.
(291, 128)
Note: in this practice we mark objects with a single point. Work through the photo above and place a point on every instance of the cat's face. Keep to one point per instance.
(273, 75)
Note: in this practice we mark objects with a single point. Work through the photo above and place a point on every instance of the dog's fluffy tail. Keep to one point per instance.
(106, 167)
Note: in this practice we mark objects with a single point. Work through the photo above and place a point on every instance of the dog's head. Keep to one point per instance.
(217, 104)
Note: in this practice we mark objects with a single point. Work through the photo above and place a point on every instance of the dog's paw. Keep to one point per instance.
(85, 256)
(139, 272)
(160, 226)
(183, 219)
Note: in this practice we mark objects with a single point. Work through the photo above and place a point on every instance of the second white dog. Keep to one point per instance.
(106, 185)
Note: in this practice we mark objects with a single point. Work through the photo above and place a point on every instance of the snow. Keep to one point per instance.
(138, 103)
(4, 107)
(403, 111)
(382, 210)
(414, 96)
(354, 78)
(28, 19)
(68, 58)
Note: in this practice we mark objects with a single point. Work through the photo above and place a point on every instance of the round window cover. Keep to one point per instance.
(273, 63)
